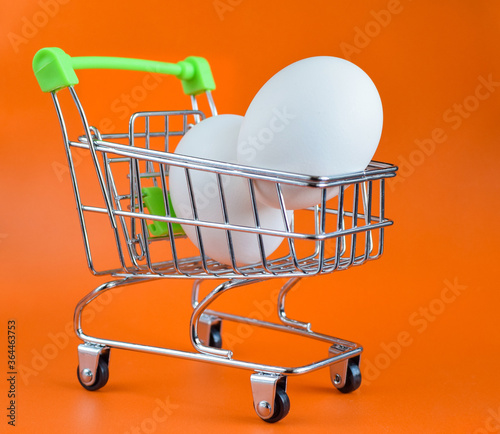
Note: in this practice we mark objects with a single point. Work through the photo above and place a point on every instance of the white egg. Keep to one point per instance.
(320, 116)
(215, 138)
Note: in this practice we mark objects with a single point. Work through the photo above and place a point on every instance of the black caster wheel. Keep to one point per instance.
(102, 376)
(353, 378)
(215, 338)
(281, 406)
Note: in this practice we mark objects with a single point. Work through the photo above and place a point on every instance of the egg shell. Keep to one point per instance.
(320, 116)
(215, 138)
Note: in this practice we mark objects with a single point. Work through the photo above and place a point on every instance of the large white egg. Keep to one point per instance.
(320, 116)
(215, 138)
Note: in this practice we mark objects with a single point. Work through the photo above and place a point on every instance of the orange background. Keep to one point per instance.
(430, 362)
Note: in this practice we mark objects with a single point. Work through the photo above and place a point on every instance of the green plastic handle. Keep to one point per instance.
(55, 70)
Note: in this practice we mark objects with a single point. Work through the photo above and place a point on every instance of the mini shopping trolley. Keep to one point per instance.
(132, 171)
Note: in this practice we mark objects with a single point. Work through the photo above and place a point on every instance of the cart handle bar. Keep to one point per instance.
(55, 70)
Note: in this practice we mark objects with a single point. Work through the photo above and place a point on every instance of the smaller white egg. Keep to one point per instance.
(215, 138)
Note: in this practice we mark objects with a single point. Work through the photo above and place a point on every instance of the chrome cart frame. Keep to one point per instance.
(337, 234)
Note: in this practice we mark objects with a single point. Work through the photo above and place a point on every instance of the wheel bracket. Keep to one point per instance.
(88, 359)
(264, 392)
(338, 371)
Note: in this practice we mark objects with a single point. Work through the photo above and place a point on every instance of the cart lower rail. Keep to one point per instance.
(268, 382)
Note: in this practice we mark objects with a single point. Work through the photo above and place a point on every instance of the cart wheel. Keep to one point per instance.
(281, 406)
(215, 338)
(353, 378)
(102, 376)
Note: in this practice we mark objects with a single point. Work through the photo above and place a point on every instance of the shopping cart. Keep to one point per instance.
(133, 196)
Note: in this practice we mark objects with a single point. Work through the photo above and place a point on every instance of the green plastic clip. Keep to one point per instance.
(153, 201)
(55, 70)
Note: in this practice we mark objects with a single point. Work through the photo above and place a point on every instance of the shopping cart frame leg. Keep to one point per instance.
(201, 308)
(289, 285)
